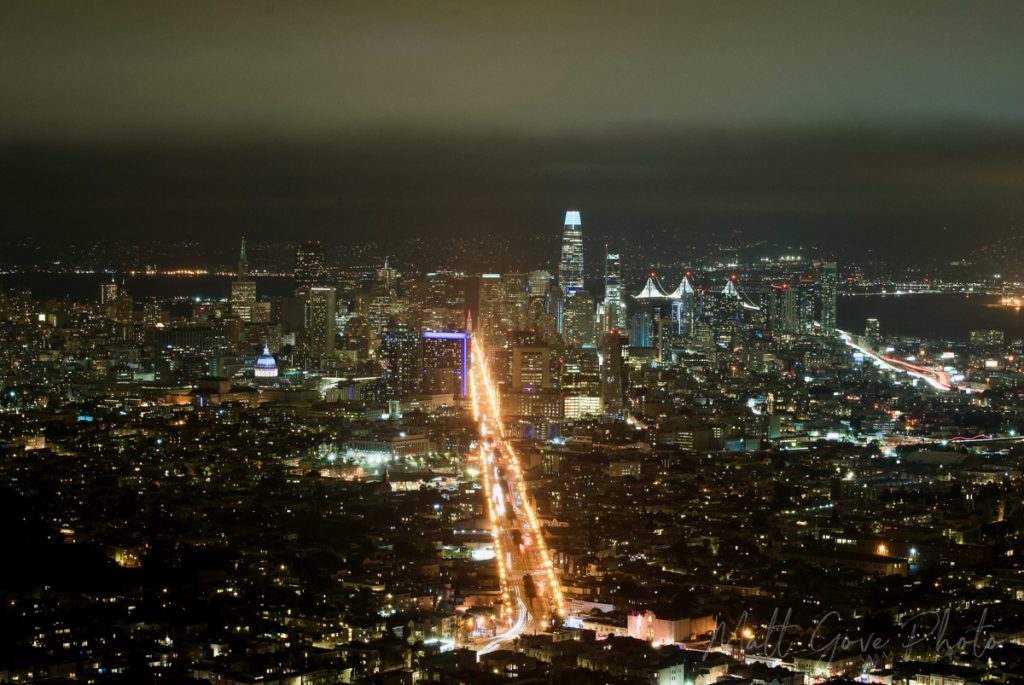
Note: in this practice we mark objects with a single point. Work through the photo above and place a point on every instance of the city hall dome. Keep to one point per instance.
(266, 365)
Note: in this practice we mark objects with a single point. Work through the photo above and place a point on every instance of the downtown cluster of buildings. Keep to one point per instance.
(283, 489)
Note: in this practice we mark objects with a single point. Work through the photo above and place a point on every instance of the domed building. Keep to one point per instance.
(266, 365)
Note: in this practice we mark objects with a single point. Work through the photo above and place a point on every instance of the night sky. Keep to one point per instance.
(339, 119)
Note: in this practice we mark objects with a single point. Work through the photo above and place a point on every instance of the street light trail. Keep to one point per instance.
(521, 552)
(936, 378)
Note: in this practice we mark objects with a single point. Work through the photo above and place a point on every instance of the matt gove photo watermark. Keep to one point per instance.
(924, 634)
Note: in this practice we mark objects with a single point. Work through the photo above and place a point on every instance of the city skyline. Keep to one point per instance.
(574, 343)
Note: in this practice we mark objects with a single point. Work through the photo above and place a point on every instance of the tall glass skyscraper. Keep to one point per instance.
(444, 362)
(570, 269)
(491, 309)
(320, 322)
(614, 305)
(578, 319)
(829, 277)
(243, 289)
(309, 267)
(399, 354)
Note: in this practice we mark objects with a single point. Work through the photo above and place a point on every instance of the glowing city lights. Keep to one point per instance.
(499, 462)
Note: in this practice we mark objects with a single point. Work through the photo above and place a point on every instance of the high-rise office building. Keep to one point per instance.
(579, 319)
(243, 300)
(828, 291)
(531, 366)
(310, 269)
(243, 263)
(504, 306)
(544, 305)
(515, 290)
(570, 268)
(437, 301)
(399, 355)
(783, 308)
(553, 303)
(614, 306)
(641, 328)
(110, 300)
(808, 301)
(378, 307)
(537, 283)
(579, 370)
(115, 302)
(291, 313)
(108, 292)
(386, 276)
(444, 362)
(321, 325)
(613, 385)
(243, 290)
(490, 324)
(873, 331)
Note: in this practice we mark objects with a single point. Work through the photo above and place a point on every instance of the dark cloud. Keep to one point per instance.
(837, 183)
(341, 119)
(192, 68)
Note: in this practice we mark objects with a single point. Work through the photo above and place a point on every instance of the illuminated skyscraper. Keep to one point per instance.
(531, 365)
(243, 263)
(514, 287)
(386, 276)
(115, 302)
(614, 305)
(872, 331)
(243, 300)
(321, 326)
(612, 369)
(503, 306)
(378, 308)
(543, 305)
(580, 381)
(243, 290)
(490, 322)
(437, 301)
(108, 292)
(570, 268)
(444, 362)
(579, 319)
(310, 269)
(783, 308)
(399, 355)
(828, 291)
(538, 283)
(641, 327)
(808, 302)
